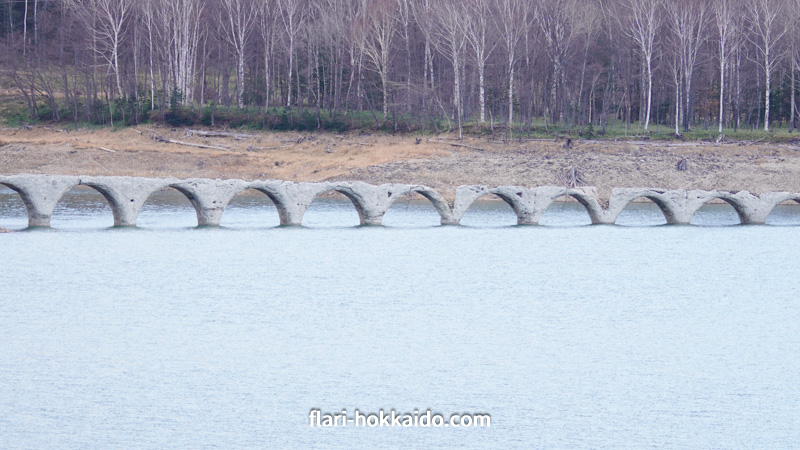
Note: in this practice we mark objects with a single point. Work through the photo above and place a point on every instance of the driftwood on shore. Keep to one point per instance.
(253, 149)
(356, 143)
(172, 141)
(296, 141)
(454, 144)
(572, 178)
(218, 134)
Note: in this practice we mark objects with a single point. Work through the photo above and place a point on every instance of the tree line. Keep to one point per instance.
(408, 64)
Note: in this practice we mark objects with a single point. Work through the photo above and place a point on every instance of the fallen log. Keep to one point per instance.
(253, 149)
(296, 141)
(454, 144)
(172, 141)
(218, 134)
(106, 150)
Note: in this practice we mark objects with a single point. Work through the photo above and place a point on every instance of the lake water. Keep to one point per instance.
(166, 335)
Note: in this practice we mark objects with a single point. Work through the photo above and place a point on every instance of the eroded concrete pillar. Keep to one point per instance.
(371, 201)
(545, 196)
(668, 201)
(126, 195)
(465, 197)
(209, 197)
(40, 193)
(293, 199)
(754, 210)
(442, 206)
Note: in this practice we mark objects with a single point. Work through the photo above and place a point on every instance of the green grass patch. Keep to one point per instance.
(14, 112)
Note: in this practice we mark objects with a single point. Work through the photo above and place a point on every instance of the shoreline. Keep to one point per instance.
(440, 163)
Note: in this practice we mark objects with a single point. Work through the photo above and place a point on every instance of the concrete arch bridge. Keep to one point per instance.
(126, 195)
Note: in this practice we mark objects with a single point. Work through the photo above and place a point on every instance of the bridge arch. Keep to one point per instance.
(364, 214)
(173, 205)
(507, 197)
(255, 197)
(108, 202)
(666, 207)
(738, 207)
(11, 207)
(440, 205)
(584, 202)
(279, 198)
(784, 201)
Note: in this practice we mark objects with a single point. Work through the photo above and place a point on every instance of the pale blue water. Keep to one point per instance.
(170, 336)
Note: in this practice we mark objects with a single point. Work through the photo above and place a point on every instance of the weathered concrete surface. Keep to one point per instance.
(291, 199)
(678, 206)
(371, 201)
(442, 206)
(209, 197)
(126, 195)
(40, 193)
(752, 209)
(528, 204)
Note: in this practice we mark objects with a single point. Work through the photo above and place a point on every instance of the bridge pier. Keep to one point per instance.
(371, 202)
(291, 199)
(126, 195)
(209, 197)
(754, 210)
(40, 193)
(687, 203)
(670, 202)
(442, 206)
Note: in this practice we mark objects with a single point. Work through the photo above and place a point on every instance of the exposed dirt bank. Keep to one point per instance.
(380, 158)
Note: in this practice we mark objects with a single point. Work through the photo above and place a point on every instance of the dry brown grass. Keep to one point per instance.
(318, 157)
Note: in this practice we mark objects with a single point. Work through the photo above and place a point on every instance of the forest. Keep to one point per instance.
(574, 66)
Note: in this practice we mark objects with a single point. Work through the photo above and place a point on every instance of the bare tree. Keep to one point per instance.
(379, 30)
(404, 18)
(478, 31)
(180, 34)
(237, 19)
(560, 22)
(768, 27)
(687, 21)
(342, 56)
(107, 19)
(422, 11)
(794, 62)
(511, 19)
(725, 20)
(292, 13)
(148, 19)
(640, 20)
(267, 21)
(451, 38)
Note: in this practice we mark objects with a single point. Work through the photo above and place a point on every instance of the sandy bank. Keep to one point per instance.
(379, 158)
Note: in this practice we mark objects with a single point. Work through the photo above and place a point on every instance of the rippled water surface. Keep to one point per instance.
(569, 335)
